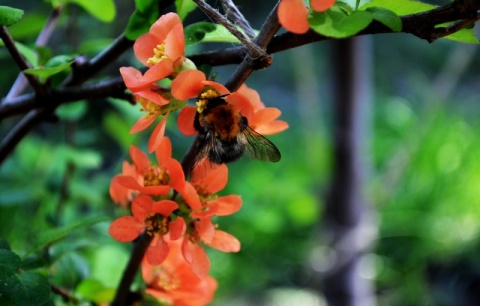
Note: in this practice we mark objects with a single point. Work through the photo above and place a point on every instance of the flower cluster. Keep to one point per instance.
(176, 213)
(293, 15)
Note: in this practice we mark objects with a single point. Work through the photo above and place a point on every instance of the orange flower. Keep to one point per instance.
(201, 197)
(151, 179)
(175, 283)
(264, 118)
(148, 94)
(118, 193)
(165, 42)
(293, 15)
(150, 216)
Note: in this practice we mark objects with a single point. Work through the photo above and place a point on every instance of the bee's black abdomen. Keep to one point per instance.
(226, 151)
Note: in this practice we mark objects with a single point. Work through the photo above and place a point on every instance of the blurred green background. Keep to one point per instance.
(422, 183)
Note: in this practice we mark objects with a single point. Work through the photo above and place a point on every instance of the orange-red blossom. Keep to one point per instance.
(293, 15)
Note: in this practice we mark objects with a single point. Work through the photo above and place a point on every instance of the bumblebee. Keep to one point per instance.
(224, 135)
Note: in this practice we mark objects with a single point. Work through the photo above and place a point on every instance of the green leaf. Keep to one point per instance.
(53, 235)
(54, 66)
(464, 36)
(72, 111)
(145, 15)
(4, 245)
(196, 32)
(9, 264)
(335, 23)
(400, 8)
(96, 291)
(29, 54)
(26, 289)
(9, 15)
(29, 27)
(387, 17)
(184, 7)
(103, 10)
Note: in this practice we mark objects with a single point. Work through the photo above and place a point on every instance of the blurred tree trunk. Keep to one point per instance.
(348, 221)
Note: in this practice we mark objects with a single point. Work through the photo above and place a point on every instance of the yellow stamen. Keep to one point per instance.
(158, 55)
(204, 97)
(156, 176)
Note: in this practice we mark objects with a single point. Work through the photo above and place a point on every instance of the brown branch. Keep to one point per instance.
(21, 63)
(139, 248)
(219, 18)
(250, 62)
(111, 88)
(234, 13)
(42, 39)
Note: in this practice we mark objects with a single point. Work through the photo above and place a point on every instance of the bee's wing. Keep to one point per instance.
(205, 144)
(259, 147)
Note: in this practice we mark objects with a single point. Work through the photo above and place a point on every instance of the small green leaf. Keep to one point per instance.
(387, 17)
(72, 111)
(53, 235)
(335, 23)
(400, 8)
(26, 289)
(4, 245)
(184, 7)
(195, 32)
(29, 54)
(45, 73)
(9, 15)
(464, 36)
(145, 15)
(9, 264)
(96, 291)
(29, 27)
(103, 10)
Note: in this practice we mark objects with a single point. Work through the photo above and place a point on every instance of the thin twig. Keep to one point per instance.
(243, 71)
(42, 39)
(139, 248)
(219, 18)
(110, 88)
(17, 57)
(234, 13)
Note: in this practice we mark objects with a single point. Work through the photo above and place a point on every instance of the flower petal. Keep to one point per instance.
(252, 96)
(201, 263)
(186, 119)
(153, 95)
(222, 90)
(225, 242)
(164, 25)
(133, 79)
(125, 228)
(272, 128)
(144, 45)
(157, 251)
(187, 249)
(140, 159)
(264, 115)
(228, 205)
(215, 180)
(164, 207)
(188, 84)
(155, 190)
(158, 134)
(292, 15)
(177, 177)
(127, 182)
(142, 124)
(175, 43)
(177, 228)
(163, 153)
(321, 5)
(242, 104)
(142, 207)
(205, 229)
(190, 196)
